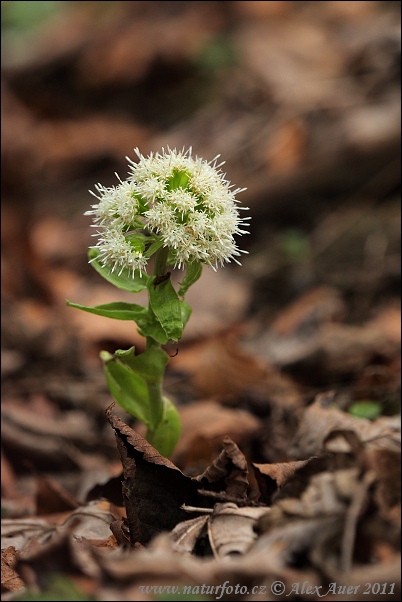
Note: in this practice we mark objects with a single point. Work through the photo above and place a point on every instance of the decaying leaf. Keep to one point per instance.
(230, 529)
(90, 522)
(46, 438)
(204, 425)
(154, 489)
(219, 367)
(52, 497)
(386, 465)
(228, 473)
(272, 477)
(10, 580)
(186, 534)
(321, 418)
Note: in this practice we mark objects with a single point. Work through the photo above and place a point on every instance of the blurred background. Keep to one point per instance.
(302, 101)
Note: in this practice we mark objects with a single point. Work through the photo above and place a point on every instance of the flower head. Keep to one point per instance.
(184, 202)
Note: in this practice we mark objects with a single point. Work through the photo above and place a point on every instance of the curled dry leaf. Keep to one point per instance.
(18, 532)
(327, 494)
(62, 554)
(46, 439)
(338, 498)
(154, 489)
(228, 472)
(272, 477)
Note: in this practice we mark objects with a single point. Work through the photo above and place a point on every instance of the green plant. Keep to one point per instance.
(182, 213)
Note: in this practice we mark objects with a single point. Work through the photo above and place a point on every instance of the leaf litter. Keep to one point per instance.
(275, 477)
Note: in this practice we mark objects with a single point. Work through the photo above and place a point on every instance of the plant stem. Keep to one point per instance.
(155, 390)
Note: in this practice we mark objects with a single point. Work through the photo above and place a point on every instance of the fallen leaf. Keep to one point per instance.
(89, 522)
(231, 529)
(186, 534)
(286, 146)
(386, 464)
(204, 426)
(272, 477)
(10, 580)
(154, 489)
(321, 418)
(228, 473)
(18, 532)
(218, 367)
(52, 497)
(310, 310)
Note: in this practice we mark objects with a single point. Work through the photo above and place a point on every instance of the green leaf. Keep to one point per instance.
(167, 434)
(150, 365)
(185, 312)
(117, 310)
(150, 327)
(129, 388)
(166, 306)
(194, 271)
(366, 409)
(153, 248)
(125, 281)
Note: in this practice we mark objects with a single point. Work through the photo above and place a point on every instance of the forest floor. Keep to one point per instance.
(287, 378)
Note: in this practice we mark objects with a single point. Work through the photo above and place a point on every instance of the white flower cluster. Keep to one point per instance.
(186, 202)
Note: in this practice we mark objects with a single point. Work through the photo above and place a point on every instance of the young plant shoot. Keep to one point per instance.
(173, 211)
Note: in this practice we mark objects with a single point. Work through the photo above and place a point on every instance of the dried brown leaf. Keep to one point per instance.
(272, 477)
(218, 366)
(62, 554)
(228, 472)
(204, 425)
(52, 497)
(310, 310)
(186, 534)
(321, 418)
(90, 522)
(154, 489)
(18, 532)
(231, 529)
(324, 495)
(386, 465)
(10, 580)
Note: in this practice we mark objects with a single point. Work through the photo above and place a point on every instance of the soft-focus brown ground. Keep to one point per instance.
(302, 101)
